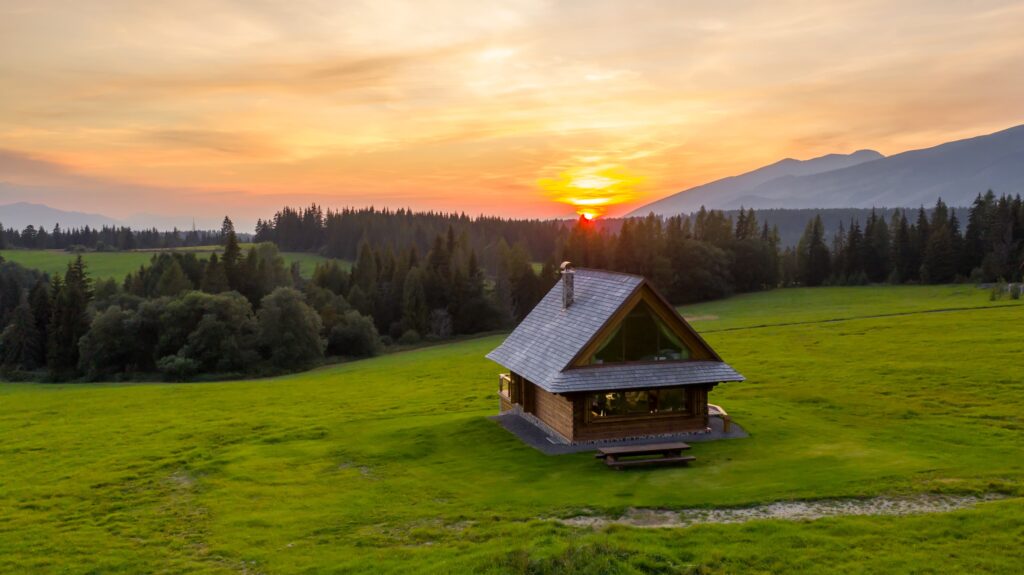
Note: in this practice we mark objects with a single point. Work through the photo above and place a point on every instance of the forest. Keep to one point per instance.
(417, 277)
(106, 238)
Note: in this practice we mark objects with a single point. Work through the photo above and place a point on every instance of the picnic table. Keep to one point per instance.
(641, 455)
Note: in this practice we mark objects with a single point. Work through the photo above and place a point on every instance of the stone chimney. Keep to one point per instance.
(568, 289)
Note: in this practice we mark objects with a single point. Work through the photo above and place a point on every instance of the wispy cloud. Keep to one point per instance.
(459, 104)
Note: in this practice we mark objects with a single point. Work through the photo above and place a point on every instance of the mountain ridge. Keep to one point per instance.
(956, 171)
(19, 215)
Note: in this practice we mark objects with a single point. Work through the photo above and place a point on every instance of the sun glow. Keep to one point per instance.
(592, 189)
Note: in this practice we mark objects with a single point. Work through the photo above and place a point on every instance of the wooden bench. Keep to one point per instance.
(632, 455)
(623, 463)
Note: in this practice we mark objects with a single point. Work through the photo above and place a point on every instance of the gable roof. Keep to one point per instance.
(542, 348)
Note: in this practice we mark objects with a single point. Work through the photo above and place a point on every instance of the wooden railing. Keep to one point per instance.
(717, 411)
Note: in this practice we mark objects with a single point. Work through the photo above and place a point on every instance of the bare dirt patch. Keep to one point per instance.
(786, 510)
(705, 317)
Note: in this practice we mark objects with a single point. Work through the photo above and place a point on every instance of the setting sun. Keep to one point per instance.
(592, 189)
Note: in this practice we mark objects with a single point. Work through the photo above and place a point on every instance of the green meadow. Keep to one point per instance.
(390, 465)
(117, 265)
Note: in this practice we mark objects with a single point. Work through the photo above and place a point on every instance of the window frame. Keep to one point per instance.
(589, 416)
(663, 328)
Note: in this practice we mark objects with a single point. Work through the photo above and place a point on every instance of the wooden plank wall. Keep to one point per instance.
(554, 410)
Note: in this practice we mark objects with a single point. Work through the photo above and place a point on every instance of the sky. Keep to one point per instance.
(197, 108)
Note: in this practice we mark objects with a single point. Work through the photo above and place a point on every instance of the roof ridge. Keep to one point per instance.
(611, 272)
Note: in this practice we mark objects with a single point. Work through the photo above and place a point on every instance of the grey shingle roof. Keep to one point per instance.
(550, 337)
(642, 375)
(542, 346)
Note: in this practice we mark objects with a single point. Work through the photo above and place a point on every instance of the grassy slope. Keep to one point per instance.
(117, 265)
(389, 465)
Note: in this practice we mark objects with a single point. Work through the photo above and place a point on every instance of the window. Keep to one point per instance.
(639, 402)
(641, 336)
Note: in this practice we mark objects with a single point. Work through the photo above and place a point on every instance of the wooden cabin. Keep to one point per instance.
(604, 356)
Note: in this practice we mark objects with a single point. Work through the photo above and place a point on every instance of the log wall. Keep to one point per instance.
(554, 410)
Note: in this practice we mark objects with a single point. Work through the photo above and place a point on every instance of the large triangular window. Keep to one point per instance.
(641, 336)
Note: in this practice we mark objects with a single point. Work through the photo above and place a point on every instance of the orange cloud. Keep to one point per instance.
(465, 105)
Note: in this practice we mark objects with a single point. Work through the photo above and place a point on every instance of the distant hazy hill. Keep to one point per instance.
(720, 194)
(955, 171)
(22, 214)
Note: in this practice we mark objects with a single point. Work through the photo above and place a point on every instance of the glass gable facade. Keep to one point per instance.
(641, 336)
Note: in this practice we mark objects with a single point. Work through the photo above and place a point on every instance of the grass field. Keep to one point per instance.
(389, 465)
(117, 265)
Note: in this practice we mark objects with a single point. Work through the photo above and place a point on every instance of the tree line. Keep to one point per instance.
(180, 316)
(341, 233)
(246, 311)
(106, 238)
(920, 247)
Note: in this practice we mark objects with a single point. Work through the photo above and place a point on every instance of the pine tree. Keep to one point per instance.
(876, 249)
(215, 280)
(364, 272)
(853, 258)
(839, 254)
(940, 262)
(813, 260)
(69, 320)
(975, 247)
(232, 263)
(746, 225)
(20, 341)
(902, 250)
(414, 303)
(39, 298)
(437, 274)
(173, 281)
(626, 251)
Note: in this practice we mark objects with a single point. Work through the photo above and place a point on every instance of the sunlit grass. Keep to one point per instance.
(390, 465)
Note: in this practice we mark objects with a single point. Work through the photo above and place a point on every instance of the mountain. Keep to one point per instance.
(955, 171)
(21, 214)
(720, 194)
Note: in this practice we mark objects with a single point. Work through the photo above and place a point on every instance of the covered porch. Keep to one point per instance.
(615, 417)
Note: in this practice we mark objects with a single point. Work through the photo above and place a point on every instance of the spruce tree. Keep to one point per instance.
(414, 303)
(173, 281)
(902, 250)
(876, 248)
(812, 254)
(364, 272)
(69, 320)
(227, 228)
(232, 263)
(746, 225)
(20, 340)
(939, 264)
(853, 259)
(215, 280)
(39, 299)
(974, 247)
